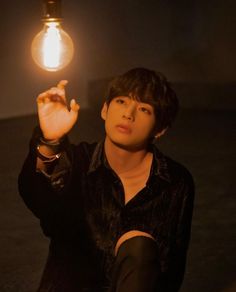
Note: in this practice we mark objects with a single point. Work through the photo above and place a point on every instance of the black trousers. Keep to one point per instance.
(137, 267)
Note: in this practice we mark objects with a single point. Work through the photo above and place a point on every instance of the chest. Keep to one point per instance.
(107, 216)
(132, 185)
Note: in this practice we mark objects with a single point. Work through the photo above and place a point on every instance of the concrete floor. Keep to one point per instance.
(201, 140)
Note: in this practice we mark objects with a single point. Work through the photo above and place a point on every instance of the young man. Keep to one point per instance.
(118, 212)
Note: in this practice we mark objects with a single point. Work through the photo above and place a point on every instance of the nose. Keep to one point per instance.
(130, 110)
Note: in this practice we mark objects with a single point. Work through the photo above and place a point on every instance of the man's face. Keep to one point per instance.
(128, 122)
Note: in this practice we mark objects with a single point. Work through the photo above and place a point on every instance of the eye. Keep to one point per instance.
(120, 100)
(145, 110)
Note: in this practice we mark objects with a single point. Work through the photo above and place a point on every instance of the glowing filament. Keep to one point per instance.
(52, 46)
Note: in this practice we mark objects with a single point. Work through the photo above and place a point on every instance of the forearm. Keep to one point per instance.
(53, 209)
(50, 203)
(37, 185)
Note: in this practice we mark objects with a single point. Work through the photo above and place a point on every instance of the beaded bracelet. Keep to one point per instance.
(55, 142)
(55, 145)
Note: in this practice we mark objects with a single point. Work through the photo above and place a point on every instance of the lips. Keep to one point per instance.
(124, 129)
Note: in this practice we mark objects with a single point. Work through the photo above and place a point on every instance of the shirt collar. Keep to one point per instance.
(159, 166)
(97, 157)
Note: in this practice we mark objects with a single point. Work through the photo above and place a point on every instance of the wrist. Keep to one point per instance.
(47, 147)
(54, 145)
(50, 142)
(49, 150)
(47, 158)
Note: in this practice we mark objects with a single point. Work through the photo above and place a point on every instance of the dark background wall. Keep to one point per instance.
(192, 42)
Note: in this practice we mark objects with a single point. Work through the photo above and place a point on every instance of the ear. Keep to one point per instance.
(159, 134)
(104, 111)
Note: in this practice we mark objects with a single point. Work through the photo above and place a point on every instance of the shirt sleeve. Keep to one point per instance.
(180, 245)
(47, 195)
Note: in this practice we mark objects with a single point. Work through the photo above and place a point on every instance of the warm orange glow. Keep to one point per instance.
(52, 48)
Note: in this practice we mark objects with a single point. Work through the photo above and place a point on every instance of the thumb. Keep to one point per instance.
(74, 106)
(74, 109)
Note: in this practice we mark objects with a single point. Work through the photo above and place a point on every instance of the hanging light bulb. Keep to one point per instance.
(52, 48)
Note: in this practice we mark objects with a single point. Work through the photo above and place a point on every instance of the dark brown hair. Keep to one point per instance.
(150, 87)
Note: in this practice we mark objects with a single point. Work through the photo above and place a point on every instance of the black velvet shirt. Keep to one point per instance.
(80, 204)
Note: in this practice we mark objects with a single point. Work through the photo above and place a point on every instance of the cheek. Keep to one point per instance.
(147, 125)
(109, 123)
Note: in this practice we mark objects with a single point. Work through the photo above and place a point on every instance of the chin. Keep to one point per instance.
(132, 147)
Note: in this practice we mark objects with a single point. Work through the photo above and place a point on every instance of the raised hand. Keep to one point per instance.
(55, 118)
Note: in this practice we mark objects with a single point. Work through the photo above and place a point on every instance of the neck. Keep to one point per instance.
(124, 160)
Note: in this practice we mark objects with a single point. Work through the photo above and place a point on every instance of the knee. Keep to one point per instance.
(139, 256)
(136, 267)
(136, 244)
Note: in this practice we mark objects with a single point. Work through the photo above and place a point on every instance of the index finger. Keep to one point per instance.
(62, 84)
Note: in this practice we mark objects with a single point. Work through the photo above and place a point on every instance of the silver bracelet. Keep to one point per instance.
(47, 159)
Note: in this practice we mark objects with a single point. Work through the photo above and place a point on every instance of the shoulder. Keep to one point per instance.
(182, 183)
(172, 171)
(178, 172)
(180, 188)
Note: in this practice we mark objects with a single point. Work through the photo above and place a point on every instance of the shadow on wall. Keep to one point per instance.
(96, 93)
